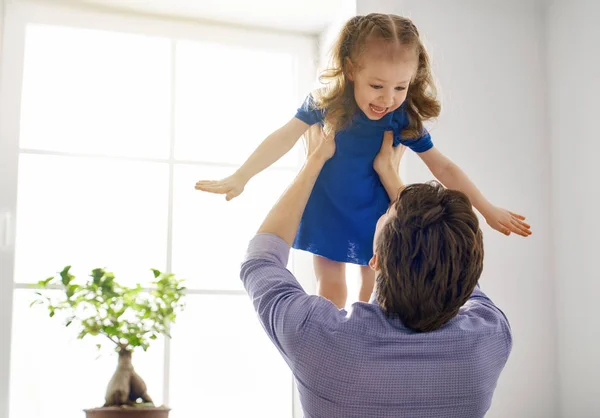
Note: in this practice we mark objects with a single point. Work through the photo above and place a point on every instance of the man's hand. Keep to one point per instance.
(388, 158)
(319, 145)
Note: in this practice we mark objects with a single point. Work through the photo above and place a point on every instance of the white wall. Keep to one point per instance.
(489, 58)
(5, 285)
(573, 45)
(1, 25)
(329, 35)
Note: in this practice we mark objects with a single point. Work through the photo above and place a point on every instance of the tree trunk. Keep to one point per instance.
(126, 386)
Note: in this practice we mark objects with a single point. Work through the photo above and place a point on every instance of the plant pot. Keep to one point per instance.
(127, 412)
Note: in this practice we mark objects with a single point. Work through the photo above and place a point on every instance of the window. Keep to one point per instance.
(108, 123)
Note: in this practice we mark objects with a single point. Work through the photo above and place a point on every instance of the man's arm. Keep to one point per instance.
(390, 178)
(281, 303)
(284, 217)
(387, 166)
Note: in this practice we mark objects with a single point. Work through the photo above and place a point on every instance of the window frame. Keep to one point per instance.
(17, 15)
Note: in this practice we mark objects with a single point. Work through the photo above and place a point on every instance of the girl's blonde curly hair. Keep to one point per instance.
(337, 95)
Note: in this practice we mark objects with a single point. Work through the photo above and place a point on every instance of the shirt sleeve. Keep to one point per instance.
(283, 307)
(309, 112)
(422, 144)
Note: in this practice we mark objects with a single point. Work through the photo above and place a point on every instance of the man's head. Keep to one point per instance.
(428, 255)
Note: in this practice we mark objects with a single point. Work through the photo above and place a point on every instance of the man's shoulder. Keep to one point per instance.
(480, 319)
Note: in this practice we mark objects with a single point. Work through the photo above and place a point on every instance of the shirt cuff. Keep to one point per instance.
(268, 247)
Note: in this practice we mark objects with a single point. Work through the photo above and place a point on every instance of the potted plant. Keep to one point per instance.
(130, 318)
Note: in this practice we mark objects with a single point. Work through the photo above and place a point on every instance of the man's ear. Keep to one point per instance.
(374, 263)
(349, 69)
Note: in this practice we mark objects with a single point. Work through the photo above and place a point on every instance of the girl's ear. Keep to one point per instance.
(349, 69)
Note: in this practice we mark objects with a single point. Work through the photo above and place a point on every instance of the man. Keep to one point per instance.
(430, 343)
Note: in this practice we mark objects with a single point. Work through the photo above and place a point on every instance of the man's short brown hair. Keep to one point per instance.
(430, 255)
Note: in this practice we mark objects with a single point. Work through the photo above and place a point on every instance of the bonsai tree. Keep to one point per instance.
(129, 318)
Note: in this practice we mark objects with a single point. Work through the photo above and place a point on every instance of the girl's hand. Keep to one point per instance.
(389, 156)
(505, 221)
(318, 144)
(231, 186)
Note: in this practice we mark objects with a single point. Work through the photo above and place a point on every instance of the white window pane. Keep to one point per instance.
(93, 91)
(210, 235)
(55, 375)
(223, 364)
(90, 213)
(231, 98)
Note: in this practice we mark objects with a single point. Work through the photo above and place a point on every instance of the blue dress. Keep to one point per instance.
(348, 198)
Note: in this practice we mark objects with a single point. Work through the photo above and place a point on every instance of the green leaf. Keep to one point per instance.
(130, 315)
(65, 276)
(97, 275)
(35, 302)
(111, 330)
(44, 283)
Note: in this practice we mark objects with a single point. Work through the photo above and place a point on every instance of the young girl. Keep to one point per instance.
(379, 80)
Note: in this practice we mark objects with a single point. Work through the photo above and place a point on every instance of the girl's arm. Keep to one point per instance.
(268, 152)
(452, 177)
(273, 148)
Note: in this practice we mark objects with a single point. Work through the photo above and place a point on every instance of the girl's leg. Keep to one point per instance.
(367, 278)
(331, 280)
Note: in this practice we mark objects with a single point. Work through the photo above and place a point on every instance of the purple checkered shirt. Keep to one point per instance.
(360, 363)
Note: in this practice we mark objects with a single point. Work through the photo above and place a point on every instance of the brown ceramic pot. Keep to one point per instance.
(124, 412)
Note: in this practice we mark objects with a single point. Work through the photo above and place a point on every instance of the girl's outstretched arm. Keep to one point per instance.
(453, 177)
(268, 152)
